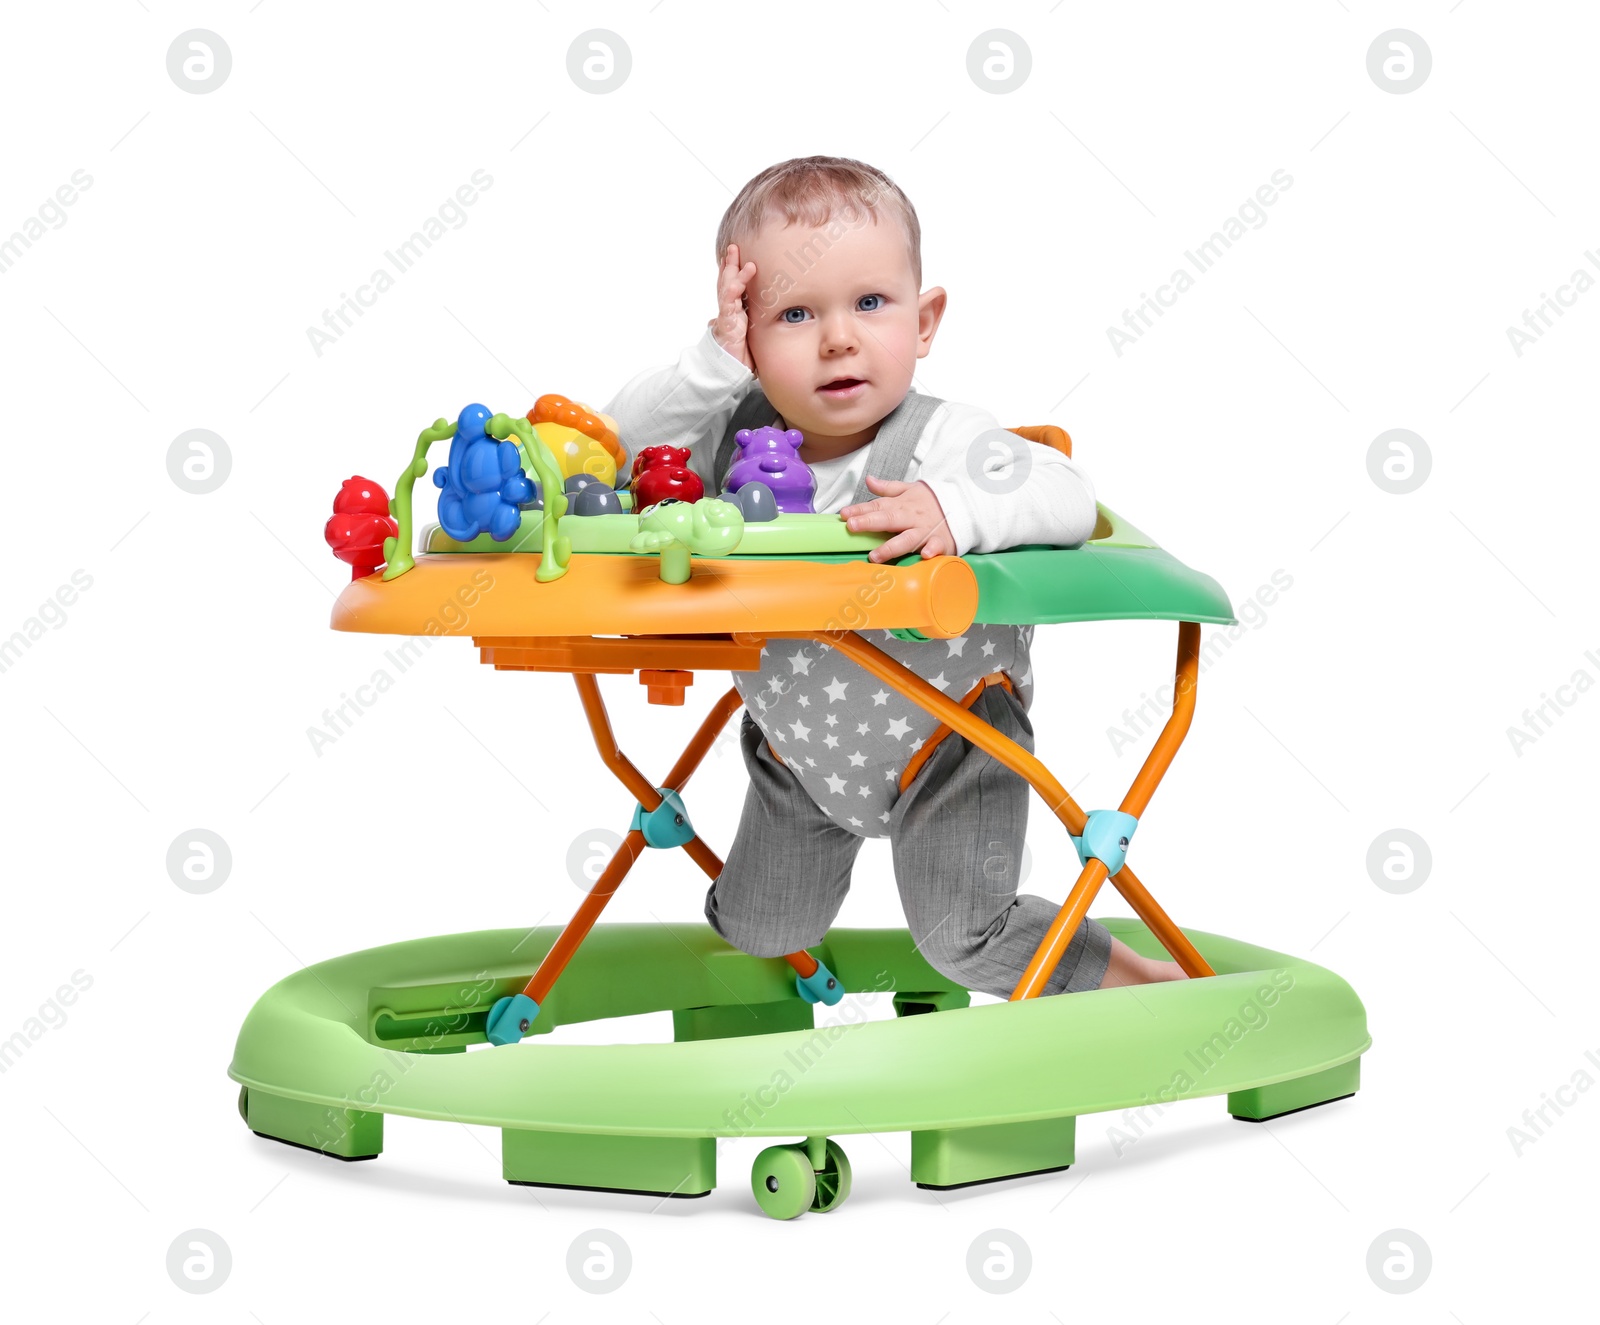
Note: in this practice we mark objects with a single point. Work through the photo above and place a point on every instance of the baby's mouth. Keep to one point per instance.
(842, 386)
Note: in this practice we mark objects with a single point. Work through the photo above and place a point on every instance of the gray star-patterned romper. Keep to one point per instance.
(842, 739)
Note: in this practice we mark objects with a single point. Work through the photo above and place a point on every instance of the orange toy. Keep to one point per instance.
(558, 409)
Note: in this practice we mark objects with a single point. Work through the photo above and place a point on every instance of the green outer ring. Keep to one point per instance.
(310, 1037)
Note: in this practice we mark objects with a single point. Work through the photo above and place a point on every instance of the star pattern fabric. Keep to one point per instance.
(845, 735)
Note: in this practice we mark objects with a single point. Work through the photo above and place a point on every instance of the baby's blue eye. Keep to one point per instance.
(872, 308)
(789, 319)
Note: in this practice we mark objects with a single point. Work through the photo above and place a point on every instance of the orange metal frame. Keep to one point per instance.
(633, 845)
(666, 685)
(1061, 804)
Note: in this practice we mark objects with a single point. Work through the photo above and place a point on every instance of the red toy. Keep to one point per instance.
(660, 472)
(359, 524)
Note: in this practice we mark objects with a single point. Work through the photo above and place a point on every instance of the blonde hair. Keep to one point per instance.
(808, 190)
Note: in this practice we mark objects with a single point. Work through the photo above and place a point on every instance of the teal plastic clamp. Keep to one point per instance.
(821, 986)
(510, 1019)
(907, 633)
(1106, 834)
(665, 826)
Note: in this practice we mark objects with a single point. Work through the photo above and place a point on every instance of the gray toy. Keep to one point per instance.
(755, 501)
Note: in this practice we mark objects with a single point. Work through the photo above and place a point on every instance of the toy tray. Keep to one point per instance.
(798, 573)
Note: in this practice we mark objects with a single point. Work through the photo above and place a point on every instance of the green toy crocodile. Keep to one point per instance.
(708, 528)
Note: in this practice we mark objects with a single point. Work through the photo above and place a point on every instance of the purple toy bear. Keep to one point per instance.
(771, 456)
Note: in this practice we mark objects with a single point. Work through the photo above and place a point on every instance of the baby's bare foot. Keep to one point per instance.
(1127, 967)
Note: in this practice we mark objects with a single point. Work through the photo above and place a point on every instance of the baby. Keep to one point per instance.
(819, 326)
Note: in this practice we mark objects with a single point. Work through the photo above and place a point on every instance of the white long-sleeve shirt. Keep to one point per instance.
(986, 504)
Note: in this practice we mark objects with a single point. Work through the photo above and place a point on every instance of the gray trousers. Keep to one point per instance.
(956, 834)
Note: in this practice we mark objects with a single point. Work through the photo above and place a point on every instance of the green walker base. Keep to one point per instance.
(347, 1134)
(1261, 1104)
(945, 1158)
(640, 1165)
(987, 1092)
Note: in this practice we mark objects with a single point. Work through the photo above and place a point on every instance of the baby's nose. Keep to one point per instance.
(839, 332)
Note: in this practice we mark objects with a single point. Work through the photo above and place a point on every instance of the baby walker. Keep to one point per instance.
(562, 559)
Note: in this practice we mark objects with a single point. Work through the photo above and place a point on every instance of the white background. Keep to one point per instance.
(1375, 693)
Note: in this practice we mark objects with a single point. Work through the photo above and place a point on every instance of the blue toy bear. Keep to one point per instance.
(483, 485)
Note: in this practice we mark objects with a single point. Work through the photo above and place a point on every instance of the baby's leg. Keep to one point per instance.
(788, 870)
(957, 835)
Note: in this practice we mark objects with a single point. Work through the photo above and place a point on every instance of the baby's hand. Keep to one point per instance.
(911, 509)
(731, 322)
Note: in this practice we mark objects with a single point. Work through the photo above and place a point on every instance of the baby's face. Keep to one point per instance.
(837, 302)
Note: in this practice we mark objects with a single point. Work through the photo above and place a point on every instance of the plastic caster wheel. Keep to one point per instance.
(783, 1181)
(832, 1180)
(244, 1104)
